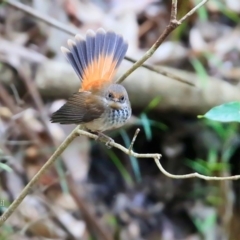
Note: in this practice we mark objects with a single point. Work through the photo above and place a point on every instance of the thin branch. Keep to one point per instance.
(133, 140)
(162, 71)
(194, 175)
(174, 10)
(150, 52)
(156, 158)
(192, 11)
(120, 147)
(173, 24)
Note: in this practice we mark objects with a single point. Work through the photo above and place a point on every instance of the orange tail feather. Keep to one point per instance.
(96, 59)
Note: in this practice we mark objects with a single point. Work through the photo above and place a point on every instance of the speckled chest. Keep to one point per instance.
(118, 116)
(111, 119)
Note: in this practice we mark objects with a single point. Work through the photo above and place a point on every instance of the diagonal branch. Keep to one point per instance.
(192, 11)
(173, 24)
(162, 71)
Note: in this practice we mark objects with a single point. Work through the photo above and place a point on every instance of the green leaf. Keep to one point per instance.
(126, 176)
(228, 153)
(212, 156)
(218, 127)
(207, 223)
(61, 174)
(146, 126)
(153, 104)
(158, 124)
(228, 112)
(200, 70)
(198, 166)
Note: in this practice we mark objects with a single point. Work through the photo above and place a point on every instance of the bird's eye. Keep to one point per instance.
(121, 98)
(110, 95)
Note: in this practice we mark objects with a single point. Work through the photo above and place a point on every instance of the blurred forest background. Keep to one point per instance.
(117, 196)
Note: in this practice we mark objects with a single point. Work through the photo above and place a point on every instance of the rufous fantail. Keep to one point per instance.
(100, 104)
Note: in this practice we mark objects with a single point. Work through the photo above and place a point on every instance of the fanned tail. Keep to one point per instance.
(96, 59)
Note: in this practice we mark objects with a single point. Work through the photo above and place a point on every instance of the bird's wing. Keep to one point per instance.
(81, 107)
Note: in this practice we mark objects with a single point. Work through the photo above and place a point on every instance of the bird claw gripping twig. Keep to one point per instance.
(106, 139)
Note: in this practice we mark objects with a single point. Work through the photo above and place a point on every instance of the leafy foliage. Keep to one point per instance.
(228, 112)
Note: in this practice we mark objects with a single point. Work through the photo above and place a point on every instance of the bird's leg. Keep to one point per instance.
(104, 138)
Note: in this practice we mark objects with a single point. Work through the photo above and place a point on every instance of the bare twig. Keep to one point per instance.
(174, 10)
(193, 175)
(133, 140)
(173, 24)
(156, 158)
(120, 147)
(150, 52)
(161, 71)
(192, 11)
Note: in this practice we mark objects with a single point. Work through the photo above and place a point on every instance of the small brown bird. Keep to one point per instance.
(100, 104)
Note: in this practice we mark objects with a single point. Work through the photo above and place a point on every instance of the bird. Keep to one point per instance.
(100, 104)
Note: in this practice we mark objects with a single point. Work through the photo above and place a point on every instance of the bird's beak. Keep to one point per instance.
(115, 105)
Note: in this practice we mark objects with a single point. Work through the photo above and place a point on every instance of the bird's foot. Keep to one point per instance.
(104, 138)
